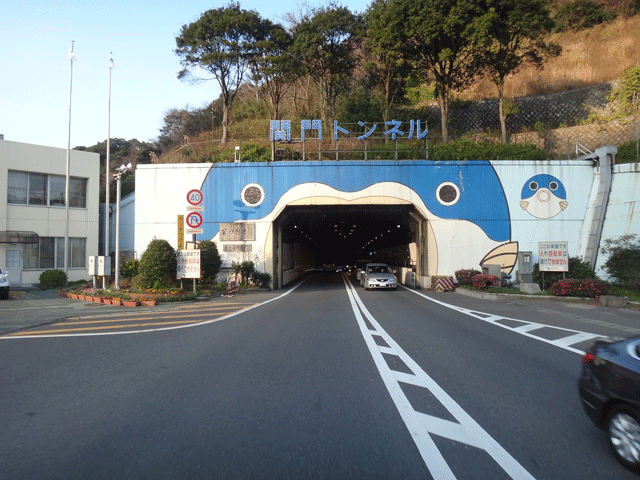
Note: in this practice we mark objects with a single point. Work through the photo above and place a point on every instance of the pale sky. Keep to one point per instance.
(35, 78)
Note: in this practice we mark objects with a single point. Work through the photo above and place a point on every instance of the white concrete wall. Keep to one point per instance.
(623, 211)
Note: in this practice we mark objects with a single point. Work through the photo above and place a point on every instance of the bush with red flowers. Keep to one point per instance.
(464, 276)
(588, 287)
(483, 282)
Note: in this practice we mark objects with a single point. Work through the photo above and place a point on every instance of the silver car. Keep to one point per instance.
(378, 275)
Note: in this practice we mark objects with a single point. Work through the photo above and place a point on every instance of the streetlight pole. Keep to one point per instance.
(66, 190)
(107, 183)
(121, 171)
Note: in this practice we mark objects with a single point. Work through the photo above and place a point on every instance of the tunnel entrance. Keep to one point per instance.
(341, 235)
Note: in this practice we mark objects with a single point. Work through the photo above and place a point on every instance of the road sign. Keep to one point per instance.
(194, 220)
(195, 197)
(180, 232)
(194, 231)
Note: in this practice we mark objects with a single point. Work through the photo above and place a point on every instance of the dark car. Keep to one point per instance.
(4, 284)
(609, 388)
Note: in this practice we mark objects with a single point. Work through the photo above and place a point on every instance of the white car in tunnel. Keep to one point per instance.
(378, 275)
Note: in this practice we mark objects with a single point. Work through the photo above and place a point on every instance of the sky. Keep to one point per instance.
(40, 85)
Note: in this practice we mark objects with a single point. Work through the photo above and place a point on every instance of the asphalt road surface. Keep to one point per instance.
(325, 380)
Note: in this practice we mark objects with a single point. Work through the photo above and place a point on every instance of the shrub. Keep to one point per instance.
(53, 279)
(210, 260)
(158, 265)
(261, 279)
(483, 282)
(246, 270)
(580, 15)
(129, 268)
(575, 288)
(624, 259)
(578, 269)
(464, 276)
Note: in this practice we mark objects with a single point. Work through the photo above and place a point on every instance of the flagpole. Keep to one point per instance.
(107, 178)
(66, 194)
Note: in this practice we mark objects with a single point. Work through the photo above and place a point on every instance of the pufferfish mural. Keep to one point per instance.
(543, 196)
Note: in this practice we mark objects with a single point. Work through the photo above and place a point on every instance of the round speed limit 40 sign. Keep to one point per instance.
(194, 220)
(195, 197)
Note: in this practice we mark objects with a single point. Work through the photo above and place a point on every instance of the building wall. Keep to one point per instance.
(500, 207)
(49, 221)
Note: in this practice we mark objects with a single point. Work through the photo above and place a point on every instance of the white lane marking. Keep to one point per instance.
(199, 324)
(422, 426)
(573, 336)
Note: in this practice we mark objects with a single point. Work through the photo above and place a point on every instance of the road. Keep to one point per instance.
(325, 380)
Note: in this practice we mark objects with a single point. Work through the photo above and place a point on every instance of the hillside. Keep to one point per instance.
(589, 57)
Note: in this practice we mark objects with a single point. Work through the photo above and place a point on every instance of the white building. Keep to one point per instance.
(33, 216)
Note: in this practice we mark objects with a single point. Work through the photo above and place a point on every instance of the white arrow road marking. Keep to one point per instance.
(572, 336)
(420, 425)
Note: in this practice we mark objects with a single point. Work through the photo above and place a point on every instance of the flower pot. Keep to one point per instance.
(116, 301)
(63, 294)
(129, 303)
(96, 299)
(148, 303)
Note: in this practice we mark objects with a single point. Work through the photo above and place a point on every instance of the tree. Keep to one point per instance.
(624, 259)
(275, 66)
(388, 67)
(443, 37)
(210, 260)
(221, 42)
(516, 36)
(325, 43)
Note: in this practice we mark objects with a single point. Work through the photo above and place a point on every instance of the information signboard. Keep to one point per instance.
(553, 256)
(188, 264)
(237, 232)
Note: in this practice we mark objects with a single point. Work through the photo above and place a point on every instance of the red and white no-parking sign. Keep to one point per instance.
(194, 220)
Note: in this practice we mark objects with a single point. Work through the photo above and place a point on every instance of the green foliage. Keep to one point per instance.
(629, 92)
(246, 269)
(129, 268)
(53, 279)
(623, 262)
(580, 15)
(578, 270)
(418, 94)
(254, 152)
(325, 42)
(261, 279)
(158, 265)
(628, 152)
(465, 276)
(579, 288)
(210, 260)
(358, 104)
(467, 150)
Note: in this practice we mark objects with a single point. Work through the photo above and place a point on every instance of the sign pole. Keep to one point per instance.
(195, 246)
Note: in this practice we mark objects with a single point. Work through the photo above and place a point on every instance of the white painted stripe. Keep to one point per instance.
(447, 429)
(577, 338)
(527, 328)
(431, 456)
(415, 422)
(199, 324)
(387, 350)
(522, 330)
(407, 378)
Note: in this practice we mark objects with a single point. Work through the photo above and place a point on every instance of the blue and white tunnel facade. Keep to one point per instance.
(464, 213)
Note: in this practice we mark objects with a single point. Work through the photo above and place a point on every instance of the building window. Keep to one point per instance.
(39, 189)
(49, 254)
(17, 187)
(57, 185)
